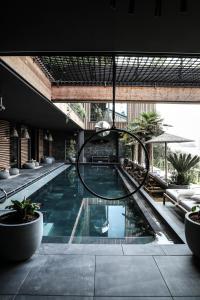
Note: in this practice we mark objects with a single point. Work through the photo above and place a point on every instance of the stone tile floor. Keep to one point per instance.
(27, 176)
(103, 272)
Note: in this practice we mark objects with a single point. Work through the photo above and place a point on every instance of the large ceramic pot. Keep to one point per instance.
(192, 234)
(121, 160)
(20, 241)
(48, 160)
(29, 165)
(14, 171)
(72, 159)
(4, 174)
(37, 164)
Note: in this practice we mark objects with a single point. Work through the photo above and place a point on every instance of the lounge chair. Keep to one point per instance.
(185, 199)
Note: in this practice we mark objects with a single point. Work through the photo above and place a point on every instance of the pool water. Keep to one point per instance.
(72, 214)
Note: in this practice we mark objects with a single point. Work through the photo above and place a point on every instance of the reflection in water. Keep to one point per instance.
(71, 211)
(111, 219)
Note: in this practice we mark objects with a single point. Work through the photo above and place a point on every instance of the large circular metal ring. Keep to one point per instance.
(146, 160)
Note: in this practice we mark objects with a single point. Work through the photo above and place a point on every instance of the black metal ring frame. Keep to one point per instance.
(146, 160)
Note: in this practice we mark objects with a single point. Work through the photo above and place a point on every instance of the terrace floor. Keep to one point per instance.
(26, 177)
(106, 272)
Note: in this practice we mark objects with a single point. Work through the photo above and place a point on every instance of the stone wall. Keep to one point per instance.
(101, 146)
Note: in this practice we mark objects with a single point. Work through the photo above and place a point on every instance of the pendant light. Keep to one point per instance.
(117, 131)
(50, 139)
(2, 107)
(14, 133)
(25, 134)
(45, 137)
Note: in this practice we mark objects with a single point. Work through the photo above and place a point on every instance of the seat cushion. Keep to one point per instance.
(188, 204)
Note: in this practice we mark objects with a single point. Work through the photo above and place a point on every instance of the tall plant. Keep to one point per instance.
(147, 125)
(183, 164)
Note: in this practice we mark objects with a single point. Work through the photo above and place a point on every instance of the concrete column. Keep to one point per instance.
(81, 139)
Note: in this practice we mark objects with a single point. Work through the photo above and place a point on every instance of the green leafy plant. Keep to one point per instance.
(147, 125)
(196, 217)
(71, 151)
(79, 109)
(25, 209)
(182, 163)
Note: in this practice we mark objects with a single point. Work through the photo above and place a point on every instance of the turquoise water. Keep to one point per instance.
(73, 214)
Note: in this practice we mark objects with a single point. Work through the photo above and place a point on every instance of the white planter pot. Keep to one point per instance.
(192, 234)
(121, 160)
(73, 159)
(4, 174)
(20, 241)
(14, 171)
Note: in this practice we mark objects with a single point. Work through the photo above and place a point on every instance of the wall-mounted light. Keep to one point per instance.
(2, 107)
(24, 133)
(45, 137)
(50, 137)
(14, 133)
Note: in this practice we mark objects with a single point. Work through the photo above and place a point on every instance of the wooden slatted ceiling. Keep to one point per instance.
(4, 144)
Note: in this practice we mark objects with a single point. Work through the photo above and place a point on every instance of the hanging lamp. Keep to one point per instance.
(116, 131)
(25, 134)
(50, 139)
(14, 133)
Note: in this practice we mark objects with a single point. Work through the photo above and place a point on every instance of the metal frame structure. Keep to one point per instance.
(131, 70)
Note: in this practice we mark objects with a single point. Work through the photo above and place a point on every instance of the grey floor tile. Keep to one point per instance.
(33, 297)
(186, 298)
(13, 274)
(176, 249)
(181, 273)
(53, 248)
(94, 249)
(133, 298)
(128, 276)
(62, 275)
(142, 250)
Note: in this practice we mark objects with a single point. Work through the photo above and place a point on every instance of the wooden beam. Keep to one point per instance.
(29, 71)
(126, 94)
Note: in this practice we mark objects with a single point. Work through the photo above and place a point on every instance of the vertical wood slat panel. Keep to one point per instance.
(24, 151)
(50, 149)
(40, 145)
(4, 144)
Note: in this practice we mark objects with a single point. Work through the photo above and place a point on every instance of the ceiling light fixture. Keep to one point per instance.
(2, 107)
(50, 139)
(14, 133)
(25, 134)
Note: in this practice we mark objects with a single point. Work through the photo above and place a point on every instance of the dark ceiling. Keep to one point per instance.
(23, 104)
(130, 70)
(142, 26)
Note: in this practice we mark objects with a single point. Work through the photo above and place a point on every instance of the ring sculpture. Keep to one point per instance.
(121, 131)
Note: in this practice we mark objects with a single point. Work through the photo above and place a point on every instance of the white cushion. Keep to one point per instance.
(187, 194)
(196, 197)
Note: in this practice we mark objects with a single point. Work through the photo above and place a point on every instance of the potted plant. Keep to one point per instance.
(192, 230)
(4, 174)
(183, 164)
(21, 230)
(71, 151)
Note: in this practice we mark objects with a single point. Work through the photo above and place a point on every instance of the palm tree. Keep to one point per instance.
(147, 125)
(183, 163)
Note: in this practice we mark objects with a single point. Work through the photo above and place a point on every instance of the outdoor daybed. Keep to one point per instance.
(185, 199)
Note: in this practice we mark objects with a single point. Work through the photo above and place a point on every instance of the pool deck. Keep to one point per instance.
(26, 177)
(103, 272)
